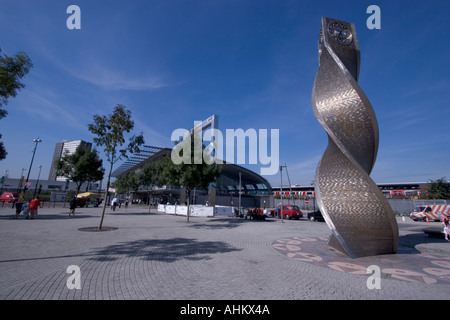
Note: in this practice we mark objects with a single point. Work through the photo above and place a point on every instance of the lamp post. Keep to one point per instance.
(239, 194)
(281, 193)
(31, 163)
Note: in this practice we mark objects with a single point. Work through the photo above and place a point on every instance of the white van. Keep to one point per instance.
(432, 212)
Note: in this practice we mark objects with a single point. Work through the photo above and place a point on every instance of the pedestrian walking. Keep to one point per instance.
(34, 205)
(73, 205)
(19, 205)
(114, 204)
(446, 225)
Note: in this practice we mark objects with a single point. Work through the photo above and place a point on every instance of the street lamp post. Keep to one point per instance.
(31, 163)
(240, 194)
(281, 193)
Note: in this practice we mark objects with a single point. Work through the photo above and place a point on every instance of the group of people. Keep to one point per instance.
(116, 202)
(29, 209)
(75, 202)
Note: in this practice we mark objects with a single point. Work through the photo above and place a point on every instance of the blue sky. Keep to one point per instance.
(251, 62)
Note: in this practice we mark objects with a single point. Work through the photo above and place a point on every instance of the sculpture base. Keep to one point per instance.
(366, 249)
(335, 244)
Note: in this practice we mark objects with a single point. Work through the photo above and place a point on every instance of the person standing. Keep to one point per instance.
(446, 226)
(73, 205)
(114, 204)
(34, 205)
(19, 205)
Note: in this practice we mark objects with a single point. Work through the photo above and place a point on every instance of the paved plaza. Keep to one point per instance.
(162, 257)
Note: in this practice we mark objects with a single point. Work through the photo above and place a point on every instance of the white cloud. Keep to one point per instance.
(97, 72)
(108, 79)
(42, 106)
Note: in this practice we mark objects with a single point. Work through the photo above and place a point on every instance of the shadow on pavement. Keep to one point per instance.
(128, 213)
(166, 250)
(52, 216)
(227, 223)
(409, 242)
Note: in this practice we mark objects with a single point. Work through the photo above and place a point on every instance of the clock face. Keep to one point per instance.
(340, 33)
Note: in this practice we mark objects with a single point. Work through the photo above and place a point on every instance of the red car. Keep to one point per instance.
(9, 196)
(290, 211)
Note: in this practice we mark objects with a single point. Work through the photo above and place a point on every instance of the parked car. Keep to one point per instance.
(289, 212)
(9, 197)
(315, 216)
(256, 214)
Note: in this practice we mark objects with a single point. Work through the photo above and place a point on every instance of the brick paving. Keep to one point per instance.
(161, 257)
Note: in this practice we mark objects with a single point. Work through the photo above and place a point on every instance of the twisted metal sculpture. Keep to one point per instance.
(359, 216)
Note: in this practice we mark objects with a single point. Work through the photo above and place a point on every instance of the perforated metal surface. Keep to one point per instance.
(359, 216)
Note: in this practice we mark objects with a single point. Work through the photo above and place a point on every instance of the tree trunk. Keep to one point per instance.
(148, 198)
(78, 188)
(188, 203)
(106, 196)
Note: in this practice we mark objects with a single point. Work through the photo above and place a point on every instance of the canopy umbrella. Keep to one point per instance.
(88, 194)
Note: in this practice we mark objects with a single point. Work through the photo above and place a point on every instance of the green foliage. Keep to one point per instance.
(199, 173)
(151, 174)
(439, 189)
(109, 131)
(196, 174)
(12, 70)
(127, 182)
(3, 152)
(82, 166)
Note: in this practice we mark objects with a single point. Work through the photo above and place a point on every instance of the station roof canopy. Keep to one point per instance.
(136, 160)
(228, 182)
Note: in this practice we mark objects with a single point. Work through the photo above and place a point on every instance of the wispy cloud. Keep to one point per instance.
(108, 79)
(44, 107)
(97, 72)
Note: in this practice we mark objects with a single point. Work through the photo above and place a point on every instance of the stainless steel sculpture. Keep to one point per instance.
(359, 216)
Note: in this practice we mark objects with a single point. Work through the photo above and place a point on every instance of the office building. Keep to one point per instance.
(69, 146)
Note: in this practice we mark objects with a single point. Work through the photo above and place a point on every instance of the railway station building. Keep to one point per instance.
(235, 184)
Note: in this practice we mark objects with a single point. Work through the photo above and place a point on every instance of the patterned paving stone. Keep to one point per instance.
(405, 265)
(161, 257)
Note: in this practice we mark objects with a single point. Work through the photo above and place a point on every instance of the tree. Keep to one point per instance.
(151, 176)
(196, 173)
(12, 70)
(109, 131)
(3, 152)
(439, 189)
(127, 182)
(82, 166)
